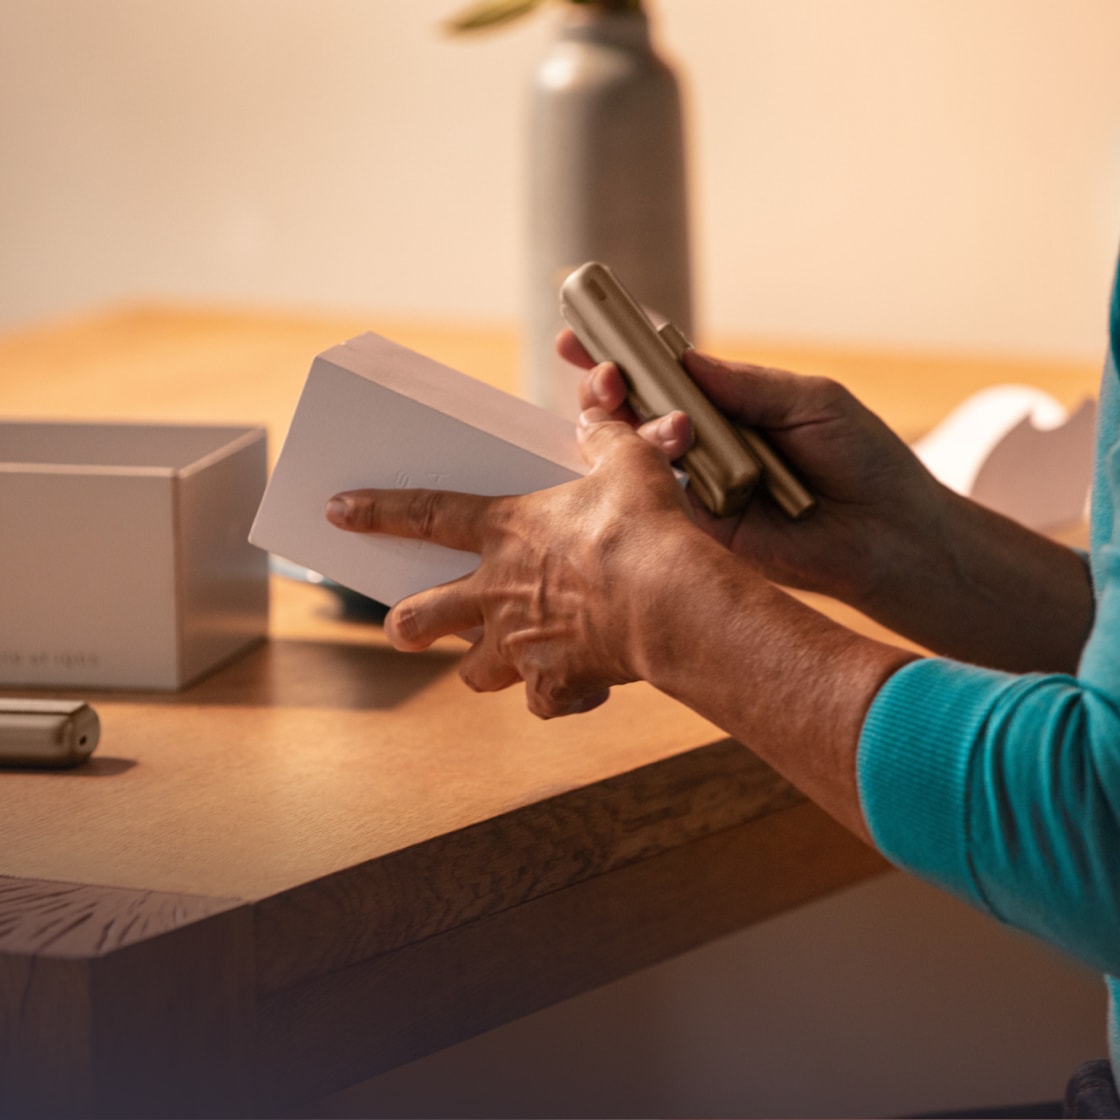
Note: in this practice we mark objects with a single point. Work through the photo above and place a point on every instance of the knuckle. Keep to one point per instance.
(362, 515)
(548, 696)
(827, 390)
(484, 670)
(537, 706)
(501, 514)
(423, 512)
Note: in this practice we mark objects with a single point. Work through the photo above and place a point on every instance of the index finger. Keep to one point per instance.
(572, 350)
(441, 516)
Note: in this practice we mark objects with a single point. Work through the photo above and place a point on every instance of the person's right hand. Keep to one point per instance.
(876, 502)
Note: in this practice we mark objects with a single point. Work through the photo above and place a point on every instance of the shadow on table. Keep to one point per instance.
(294, 673)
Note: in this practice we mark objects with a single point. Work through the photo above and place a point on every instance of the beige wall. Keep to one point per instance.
(927, 172)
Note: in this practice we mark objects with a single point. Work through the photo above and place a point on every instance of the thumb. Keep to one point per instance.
(755, 396)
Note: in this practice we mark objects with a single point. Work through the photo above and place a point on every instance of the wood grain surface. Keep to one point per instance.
(109, 997)
(304, 758)
(479, 975)
(327, 858)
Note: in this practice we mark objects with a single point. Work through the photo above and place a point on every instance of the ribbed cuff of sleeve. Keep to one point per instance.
(914, 764)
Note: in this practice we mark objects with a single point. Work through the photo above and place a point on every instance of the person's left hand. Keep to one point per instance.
(566, 592)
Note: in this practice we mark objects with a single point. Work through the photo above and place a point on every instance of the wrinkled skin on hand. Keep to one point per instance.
(568, 575)
(885, 537)
(875, 498)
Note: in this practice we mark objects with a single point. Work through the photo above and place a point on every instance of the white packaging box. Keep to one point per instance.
(375, 414)
(123, 553)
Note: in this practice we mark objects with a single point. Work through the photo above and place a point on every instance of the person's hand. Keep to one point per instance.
(608, 579)
(565, 595)
(876, 502)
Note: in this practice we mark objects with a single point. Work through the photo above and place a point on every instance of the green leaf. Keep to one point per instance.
(491, 13)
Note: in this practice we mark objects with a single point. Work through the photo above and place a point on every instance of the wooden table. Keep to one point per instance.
(328, 858)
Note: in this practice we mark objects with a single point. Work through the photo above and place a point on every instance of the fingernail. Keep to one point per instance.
(338, 511)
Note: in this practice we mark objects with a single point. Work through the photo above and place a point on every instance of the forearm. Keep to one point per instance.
(974, 585)
(786, 681)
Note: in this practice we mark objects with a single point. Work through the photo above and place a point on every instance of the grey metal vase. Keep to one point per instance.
(607, 179)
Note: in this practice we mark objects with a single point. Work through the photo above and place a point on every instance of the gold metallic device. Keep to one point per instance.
(725, 463)
(47, 733)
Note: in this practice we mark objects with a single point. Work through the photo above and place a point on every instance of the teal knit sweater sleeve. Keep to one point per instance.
(1005, 789)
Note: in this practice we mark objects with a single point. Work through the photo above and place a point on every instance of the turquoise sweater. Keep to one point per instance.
(1005, 789)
